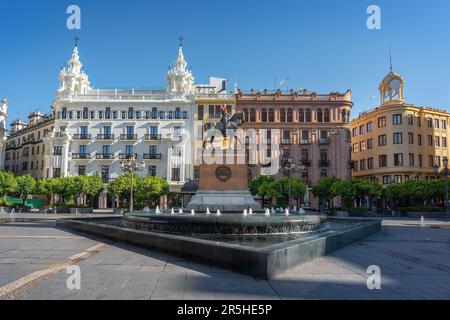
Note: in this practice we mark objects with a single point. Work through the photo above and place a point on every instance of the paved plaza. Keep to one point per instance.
(34, 255)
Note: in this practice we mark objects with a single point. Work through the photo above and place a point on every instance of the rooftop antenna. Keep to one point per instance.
(390, 57)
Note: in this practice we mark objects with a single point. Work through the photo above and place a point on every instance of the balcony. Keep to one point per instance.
(152, 156)
(324, 163)
(126, 156)
(305, 141)
(128, 137)
(82, 137)
(81, 156)
(286, 141)
(306, 163)
(104, 156)
(152, 137)
(105, 137)
(324, 141)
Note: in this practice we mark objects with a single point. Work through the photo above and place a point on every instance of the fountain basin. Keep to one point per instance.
(260, 256)
(228, 224)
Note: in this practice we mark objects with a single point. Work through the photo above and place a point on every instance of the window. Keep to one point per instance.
(130, 130)
(410, 119)
(382, 140)
(398, 179)
(56, 172)
(430, 161)
(308, 115)
(107, 130)
(397, 119)
(175, 174)
(323, 155)
(326, 116)
(430, 140)
(161, 115)
(57, 151)
(108, 113)
(411, 159)
(355, 165)
(152, 171)
(370, 163)
(419, 158)
(271, 115)
(362, 146)
(398, 138)
(362, 129)
(444, 124)
(123, 114)
(153, 150)
(264, 115)
(81, 170)
(437, 141)
(130, 113)
(387, 179)
(128, 149)
(370, 127)
(444, 142)
(369, 144)
(319, 115)
(438, 161)
(429, 123)
(301, 116)
(419, 122)
(83, 149)
(436, 123)
(105, 174)
(154, 113)
(411, 138)
(252, 115)
(114, 114)
(382, 161)
(85, 113)
(64, 113)
(200, 112)
(398, 159)
(100, 114)
(282, 115)
(355, 148)
(419, 139)
(381, 122)
(177, 113)
(362, 164)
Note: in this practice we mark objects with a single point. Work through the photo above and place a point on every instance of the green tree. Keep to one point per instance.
(121, 187)
(368, 188)
(8, 184)
(347, 190)
(298, 189)
(25, 186)
(326, 189)
(260, 187)
(94, 187)
(273, 191)
(152, 189)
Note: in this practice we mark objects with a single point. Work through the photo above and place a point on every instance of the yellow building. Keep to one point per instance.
(398, 141)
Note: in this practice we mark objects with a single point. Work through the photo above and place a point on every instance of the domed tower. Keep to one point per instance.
(392, 88)
(72, 79)
(179, 79)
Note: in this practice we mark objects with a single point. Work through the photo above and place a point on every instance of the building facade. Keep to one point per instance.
(25, 150)
(398, 141)
(4, 105)
(314, 131)
(96, 129)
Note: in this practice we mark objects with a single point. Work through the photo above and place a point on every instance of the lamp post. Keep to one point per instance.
(290, 167)
(131, 165)
(445, 174)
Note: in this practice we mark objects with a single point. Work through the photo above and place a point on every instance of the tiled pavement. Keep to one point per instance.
(414, 261)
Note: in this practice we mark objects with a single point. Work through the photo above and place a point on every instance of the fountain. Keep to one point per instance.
(301, 211)
(267, 212)
(180, 211)
(245, 213)
(157, 210)
(208, 212)
(250, 212)
(422, 221)
(286, 212)
(172, 212)
(272, 211)
(192, 212)
(218, 213)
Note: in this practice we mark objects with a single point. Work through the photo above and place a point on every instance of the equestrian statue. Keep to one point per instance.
(227, 124)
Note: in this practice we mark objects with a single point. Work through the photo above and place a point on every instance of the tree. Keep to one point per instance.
(94, 187)
(347, 190)
(121, 187)
(25, 186)
(298, 189)
(152, 188)
(368, 188)
(8, 184)
(43, 188)
(326, 189)
(260, 187)
(273, 190)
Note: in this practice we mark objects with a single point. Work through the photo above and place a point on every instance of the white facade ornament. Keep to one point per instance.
(72, 80)
(179, 79)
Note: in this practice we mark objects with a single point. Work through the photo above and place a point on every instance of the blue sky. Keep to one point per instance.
(320, 45)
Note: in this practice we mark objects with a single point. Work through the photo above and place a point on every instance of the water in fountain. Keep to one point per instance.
(11, 215)
(267, 212)
(245, 213)
(172, 212)
(286, 212)
(218, 213)
(208, 212)
(272, 211)
(422, 221)
(192, 212)
(302, 211)
(250, 211)
(157, 211)
(180, 211)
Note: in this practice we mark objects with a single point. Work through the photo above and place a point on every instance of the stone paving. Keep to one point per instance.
(414, 262)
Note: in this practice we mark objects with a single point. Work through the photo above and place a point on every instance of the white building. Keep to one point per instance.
(3, 116)
(95, 129)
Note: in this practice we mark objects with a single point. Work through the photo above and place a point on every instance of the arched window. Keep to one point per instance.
(154, 113)
(185, 115)
(85, 113)
(319, 115)
(301, 115)
(326, 115)
(252, 115)
(64, 113)
(161, 114)
(130, 113)
(271, 115)
(177, 113)
(289, 116)
(308, 115)
(246, 115)
(282, 115)
(264, 115)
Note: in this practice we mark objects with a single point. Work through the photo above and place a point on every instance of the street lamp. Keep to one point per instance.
(131, 165)
(445, 174)
(289, 168)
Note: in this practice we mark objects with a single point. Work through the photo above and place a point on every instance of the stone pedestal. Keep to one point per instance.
(223, 187)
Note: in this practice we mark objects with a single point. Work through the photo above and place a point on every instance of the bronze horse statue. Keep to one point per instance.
(226, 124)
